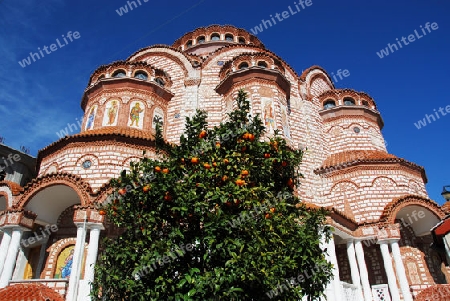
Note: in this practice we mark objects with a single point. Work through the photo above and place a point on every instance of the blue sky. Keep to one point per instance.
(39, 100)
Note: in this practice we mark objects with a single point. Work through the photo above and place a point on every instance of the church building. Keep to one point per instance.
(379, 207)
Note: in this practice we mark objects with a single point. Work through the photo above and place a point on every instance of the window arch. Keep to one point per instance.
(229, 37)
(215, 37)
(119, 73)
(201, 40)
(189, 43)
(141, 75)
(160, 81)
(243, 65)
(241, 40)
(365, 103)
(329, 104)
(348, 101)
(262, 64)
(101, 77)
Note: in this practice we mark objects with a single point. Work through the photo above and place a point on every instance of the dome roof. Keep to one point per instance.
(29, 292)
(218, 34)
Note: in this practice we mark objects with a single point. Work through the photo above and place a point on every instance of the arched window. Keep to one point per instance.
(241, 40)
(201, 40)
(365, 103)
(229, 37)
(262, 64)
(189, 44)
(215, 37)
(243, 65)
(329, 104)
(160, 81)
(101, 77)
(348, 101)
(141, 75)
(119, 73)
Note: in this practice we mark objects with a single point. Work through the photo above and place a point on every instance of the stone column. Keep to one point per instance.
(392, 281)
(401, 274)
(91, 258)
(76, 263)
(11, 257)
(334, 289)
(4, 247)
(363, 271)
(354, 267)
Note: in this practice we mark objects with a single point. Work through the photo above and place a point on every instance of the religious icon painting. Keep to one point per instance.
(91, 118)
(136, 118)
(158, 117)
(111, 113)
(268, 115)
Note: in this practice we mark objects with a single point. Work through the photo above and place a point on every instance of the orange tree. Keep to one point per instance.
(215, 218)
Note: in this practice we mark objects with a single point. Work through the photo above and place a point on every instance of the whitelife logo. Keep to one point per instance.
(53, 47)
(124, 9)
(280, 17)
(411, 38)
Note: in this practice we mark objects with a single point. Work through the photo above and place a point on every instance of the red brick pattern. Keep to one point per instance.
(32, 291)
(435, 293)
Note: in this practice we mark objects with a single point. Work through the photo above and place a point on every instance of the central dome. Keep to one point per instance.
(205, 40)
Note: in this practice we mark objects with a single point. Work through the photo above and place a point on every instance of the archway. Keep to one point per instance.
(416, 222)
(49, 203)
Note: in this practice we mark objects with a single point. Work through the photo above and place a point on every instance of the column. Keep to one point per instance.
(392, 281)
(356, 280)
(42, 253)
(76, 265)
(335, 287)
(92, 253)
(11, 257)
(4, 247)
(363, 271)
(401, 274)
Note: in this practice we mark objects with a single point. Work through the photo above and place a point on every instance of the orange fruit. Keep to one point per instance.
(244, 172)
(267, 155)
(202, 134)
(290, 183)
(245, 136)
(217, 144)
(272, 209)
(214, 164)
(195, 160)
(240, 182)
(102, 212)
(167, 196)
(165, 170)
(251, 137)
(284, 163)
(157, 169)
(207, 166)
(146, 188)
(224, 178)
(226, 161)
(182, 160)
(122, 191)
(267, 215)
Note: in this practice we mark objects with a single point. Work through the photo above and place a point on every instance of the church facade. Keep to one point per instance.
(380, 210)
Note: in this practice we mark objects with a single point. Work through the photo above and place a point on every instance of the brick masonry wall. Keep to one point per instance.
(108, 160)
